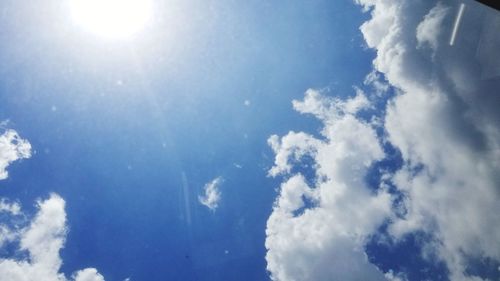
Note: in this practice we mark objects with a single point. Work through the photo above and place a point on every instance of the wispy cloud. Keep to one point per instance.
(12, 208)
(212, 195)
(7, 231)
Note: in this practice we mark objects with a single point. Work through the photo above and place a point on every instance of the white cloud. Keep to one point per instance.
(10, 207)
(442, 127)
(391, 276)
(212, 194)
(7, 233)
(428, 30)
(445, 121)
(375, 79)
(89, 274)
(12, 148)
(292, 147)
(42, 240)
(316, 243)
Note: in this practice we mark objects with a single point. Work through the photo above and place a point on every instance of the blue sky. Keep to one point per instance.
(320, 140)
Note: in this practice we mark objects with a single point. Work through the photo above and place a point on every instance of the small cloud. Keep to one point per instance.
(247, 103)
(12, 148)
(88, 274)
(212, 194)
(11, 208)
(8, 231)
(391, 276)
(237, 165)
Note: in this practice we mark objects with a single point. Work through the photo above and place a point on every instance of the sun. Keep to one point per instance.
(111, 18)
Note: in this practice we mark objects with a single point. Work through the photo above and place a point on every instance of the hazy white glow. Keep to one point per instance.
(111, 18)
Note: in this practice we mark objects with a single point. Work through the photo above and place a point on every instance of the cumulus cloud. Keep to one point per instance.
(212, 195)
(444, 120)
(42, 240)
(12, 148)
(318, 230)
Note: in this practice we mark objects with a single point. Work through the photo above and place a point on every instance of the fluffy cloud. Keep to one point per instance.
(444, 120)
(212, 195)
(42, 240)
(445, 126)
(88, 274)
(12, 148)
(318, 230)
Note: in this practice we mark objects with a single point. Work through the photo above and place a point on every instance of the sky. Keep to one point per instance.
(249, 140)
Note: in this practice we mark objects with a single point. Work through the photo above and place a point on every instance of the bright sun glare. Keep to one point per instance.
(111, 18)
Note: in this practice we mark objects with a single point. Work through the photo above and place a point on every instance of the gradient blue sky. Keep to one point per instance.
(128, 132)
